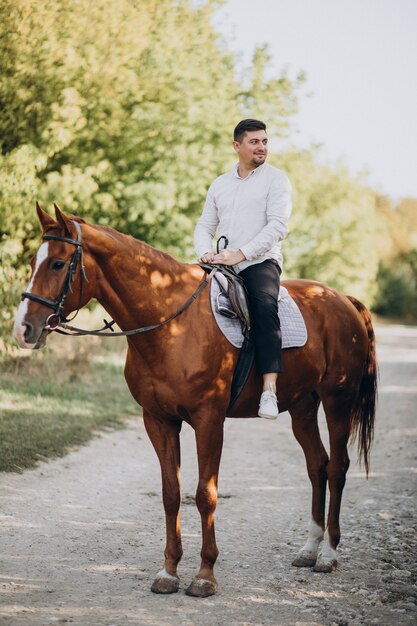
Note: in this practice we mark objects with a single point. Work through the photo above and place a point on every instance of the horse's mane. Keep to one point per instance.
(135, 246)
(129, 244)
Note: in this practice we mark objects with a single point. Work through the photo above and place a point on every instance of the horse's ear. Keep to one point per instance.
(46, 220)
(64, 221)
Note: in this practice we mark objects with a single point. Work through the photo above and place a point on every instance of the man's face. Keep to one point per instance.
(254, 148)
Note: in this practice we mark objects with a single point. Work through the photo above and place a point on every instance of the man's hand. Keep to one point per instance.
(225, 257)
(207, 257)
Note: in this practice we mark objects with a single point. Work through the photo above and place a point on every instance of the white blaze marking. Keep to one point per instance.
(19, 325)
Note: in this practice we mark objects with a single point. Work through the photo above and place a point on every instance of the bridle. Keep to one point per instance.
(58, 304)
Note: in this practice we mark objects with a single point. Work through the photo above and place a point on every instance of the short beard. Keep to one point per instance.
(257, 163)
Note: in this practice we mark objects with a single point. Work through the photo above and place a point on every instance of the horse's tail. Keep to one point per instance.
(363, 414)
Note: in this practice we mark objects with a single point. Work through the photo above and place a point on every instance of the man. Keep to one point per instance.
(250, 205)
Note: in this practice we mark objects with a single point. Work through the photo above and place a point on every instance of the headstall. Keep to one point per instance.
(58, 304)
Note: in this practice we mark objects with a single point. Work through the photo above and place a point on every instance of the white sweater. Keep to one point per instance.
(251, 212)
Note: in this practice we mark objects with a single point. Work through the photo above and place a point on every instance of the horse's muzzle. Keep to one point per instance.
(29, 337)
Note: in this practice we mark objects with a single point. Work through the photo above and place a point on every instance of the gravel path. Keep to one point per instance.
(83, 536)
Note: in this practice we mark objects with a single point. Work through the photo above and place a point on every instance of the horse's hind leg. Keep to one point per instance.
(306, 431)
(164, 436)
(337, 409)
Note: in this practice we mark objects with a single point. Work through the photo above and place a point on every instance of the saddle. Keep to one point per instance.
(232, 302)
(232, 298)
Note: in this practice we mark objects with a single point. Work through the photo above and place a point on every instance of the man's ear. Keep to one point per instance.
(236, 146)
(45, 220)
(65, 223)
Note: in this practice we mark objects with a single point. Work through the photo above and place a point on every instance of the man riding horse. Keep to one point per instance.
(153, 299)
(249, 206)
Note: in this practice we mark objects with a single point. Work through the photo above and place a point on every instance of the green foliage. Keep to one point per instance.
(121, 111)
(334, 228)
(397, 287)
(18, 238)
(51, 402)
(396, 280)
(273, 99)
(118, 111)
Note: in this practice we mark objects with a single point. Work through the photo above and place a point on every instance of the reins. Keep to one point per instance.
(58, 304)
(74, 331)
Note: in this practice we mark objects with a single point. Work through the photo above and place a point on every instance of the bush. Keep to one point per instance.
(397, 287)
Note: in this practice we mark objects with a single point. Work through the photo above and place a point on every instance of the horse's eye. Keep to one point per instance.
(58, 265)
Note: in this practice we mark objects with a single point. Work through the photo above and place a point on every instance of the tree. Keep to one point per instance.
(397, 288)
(335, 231)
(117, 111)
(397, 272)
(18, 186)
(268, 97)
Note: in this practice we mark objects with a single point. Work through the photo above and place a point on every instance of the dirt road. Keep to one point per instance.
(83, 536)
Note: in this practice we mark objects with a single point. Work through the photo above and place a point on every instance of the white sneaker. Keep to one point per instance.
(268, 406)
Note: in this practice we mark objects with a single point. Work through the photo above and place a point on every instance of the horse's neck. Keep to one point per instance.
(139, 285)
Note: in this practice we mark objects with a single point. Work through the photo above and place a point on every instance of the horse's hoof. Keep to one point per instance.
(165, 583)
(304, 560)
(201, 588)
(325, 566)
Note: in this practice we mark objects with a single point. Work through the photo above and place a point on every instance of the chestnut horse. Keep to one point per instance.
(176, 375)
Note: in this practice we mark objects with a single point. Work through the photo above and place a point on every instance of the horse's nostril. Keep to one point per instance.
(28, 332)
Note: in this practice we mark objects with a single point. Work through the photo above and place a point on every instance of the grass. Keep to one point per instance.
(59, 397)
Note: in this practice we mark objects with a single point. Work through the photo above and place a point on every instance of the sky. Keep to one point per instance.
(360, 56)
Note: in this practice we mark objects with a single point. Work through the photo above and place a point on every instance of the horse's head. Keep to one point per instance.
(58, 283)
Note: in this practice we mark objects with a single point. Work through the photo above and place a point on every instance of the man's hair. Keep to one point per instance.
(247, 125)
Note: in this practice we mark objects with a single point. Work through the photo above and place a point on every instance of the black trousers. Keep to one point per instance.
(262, 284)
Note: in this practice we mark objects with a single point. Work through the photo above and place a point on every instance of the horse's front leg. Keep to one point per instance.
(209, 439)
(164, 436)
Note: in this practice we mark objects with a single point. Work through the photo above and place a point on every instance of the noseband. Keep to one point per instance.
(58, 304)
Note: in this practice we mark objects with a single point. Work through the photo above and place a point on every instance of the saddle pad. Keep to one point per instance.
(293, 328)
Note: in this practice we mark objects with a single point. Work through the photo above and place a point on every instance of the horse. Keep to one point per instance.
(176, 376)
